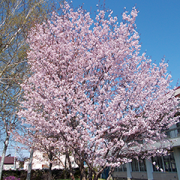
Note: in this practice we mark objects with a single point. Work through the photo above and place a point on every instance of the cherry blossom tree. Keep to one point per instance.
(91, 91)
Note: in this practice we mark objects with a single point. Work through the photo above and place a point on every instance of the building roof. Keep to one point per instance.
(177, 92)
(8, 160)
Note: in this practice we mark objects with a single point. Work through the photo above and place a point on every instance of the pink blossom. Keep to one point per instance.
(92, 92)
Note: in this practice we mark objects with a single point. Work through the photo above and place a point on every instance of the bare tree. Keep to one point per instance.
(16, 19)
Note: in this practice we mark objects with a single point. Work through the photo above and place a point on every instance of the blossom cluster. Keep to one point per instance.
(92, 92)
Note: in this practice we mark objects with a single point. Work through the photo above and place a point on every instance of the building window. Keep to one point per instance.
(135, 165)
(178, 127)
(157, 163)
(142, 165)
(121, 168)
(138, 165)
(164, 163)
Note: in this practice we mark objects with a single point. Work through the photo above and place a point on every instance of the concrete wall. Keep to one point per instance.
(139, 175)
(165, 176)
(120, 174)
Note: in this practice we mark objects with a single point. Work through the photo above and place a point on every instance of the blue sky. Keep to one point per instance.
(158, 24)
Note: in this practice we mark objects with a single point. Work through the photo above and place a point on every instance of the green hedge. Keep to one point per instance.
(41, 174)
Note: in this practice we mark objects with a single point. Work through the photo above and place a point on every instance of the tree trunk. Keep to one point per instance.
(65, 176)
(90, 174)
(30, 165)
(4, 154)
(80, 163)
(50, 166)
(50, 171)
(70, 167)
(110, 173)
(95, 176)
(83, 175)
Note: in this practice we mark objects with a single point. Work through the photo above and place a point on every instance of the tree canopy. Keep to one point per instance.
(92, 92)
